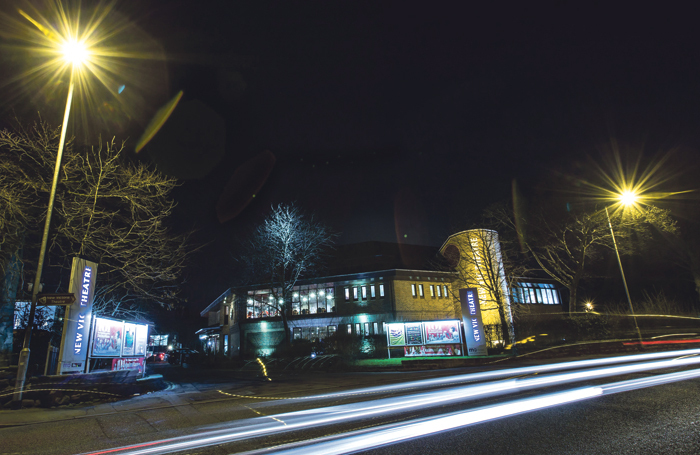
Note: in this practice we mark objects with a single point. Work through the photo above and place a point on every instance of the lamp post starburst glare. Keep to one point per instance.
(627, 198)
(74, 53)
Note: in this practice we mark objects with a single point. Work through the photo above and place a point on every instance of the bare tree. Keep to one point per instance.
(481, 260)
(564, 243)
(285, 247)
(108, 208)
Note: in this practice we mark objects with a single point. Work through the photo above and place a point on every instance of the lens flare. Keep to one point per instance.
(46, 42)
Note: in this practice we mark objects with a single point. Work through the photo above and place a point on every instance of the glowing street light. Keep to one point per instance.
(627, 198)
(74, 53)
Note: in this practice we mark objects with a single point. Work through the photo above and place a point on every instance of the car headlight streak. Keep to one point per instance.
(313, 418)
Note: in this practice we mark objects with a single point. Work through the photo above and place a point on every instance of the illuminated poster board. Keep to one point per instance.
(426, 338)
(442, 332)
(129, 346)
(396, 334)
(473, 326)
(414, 333)
(108, 338)
(141, 339)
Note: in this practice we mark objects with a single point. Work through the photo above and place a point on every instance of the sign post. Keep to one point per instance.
(55, 299)
(74, 342)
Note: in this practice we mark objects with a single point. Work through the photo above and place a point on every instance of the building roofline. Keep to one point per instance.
(444, 244)
(216, 301)
(346, 277)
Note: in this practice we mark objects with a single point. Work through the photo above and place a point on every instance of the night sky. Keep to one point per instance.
(399, 121)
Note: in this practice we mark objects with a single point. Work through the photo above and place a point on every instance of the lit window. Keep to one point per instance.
(420, 290)
(376, 328)
(349, 329)
(366, 328)
(354, 293)
(364, 292)
(358, 329)
(413, 290)
(381, 290)
(439, 292)
(444, 290)
(372, 291)
(432, 291)
(347, 293)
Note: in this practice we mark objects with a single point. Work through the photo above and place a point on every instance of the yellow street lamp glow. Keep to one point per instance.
(75, 52)
(628, 198)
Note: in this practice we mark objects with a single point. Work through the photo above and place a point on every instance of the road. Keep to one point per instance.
(616, 405)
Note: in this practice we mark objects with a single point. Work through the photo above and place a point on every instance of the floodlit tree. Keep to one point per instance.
(484, 260)
(285, 247)
(565, 242)
(108, 208)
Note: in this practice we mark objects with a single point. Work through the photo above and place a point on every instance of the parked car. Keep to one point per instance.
(156, 356)
(183, 357)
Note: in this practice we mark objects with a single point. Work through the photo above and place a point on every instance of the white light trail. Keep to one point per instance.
(314, 418)
(392, 434)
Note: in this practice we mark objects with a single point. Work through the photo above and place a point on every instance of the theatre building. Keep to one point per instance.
(368, 286)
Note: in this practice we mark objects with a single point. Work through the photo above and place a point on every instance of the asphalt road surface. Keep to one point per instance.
(575, 408)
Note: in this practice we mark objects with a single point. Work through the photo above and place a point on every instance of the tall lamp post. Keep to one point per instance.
(627, 198)
(74, 54)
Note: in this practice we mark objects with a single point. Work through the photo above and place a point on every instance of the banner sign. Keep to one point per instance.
(396, 334)
(433, 350)
(107, 341)
(440, 332)
(74, 343)
(128, 363)
(473, 327)
(414, 333)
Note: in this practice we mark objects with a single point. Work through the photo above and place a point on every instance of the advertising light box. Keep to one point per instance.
(141, 339)
(414, 333)
(441, 332)
(129, 347)
(108, 337)
(396, 334)
(112, 338)
(426, 338)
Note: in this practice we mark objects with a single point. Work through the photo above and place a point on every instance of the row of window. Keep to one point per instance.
(308, 299)
(361, 292)
(436, 291)
(544, 293)
(319, 333)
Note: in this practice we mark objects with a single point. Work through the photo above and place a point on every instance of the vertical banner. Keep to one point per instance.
(74, 343)
(473, 327)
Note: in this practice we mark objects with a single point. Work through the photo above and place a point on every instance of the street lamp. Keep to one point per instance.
(627, 198)
(74, 53)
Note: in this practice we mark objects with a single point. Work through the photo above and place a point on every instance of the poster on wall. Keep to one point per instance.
(141, 340)
(414, 333)
(129, 347)
(473, 327)
(107, 341)
(396, 334)
(441, 332)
